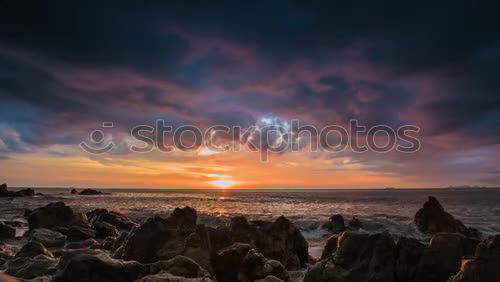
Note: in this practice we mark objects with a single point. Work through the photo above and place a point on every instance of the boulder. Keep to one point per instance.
(28, 192)
(228, 261)
(29, 268)
(73, 191)
(280, 240)
(47, 237)
(79, 233)
(120, 221)
(220, 238)
(159, 238)
(355, 223)
(330, 247)
(432, 219)
(197, 247)
(409, 251)
(104, 229)
(3, 188)
(88, 192)
(108, 243)
(54, 215)
(484, 267)
(4, 192)
(359, 257)
(7, 231)
(255, 266)
(82, 244)
(167, 277)
(179, 266)
(441, 259)
(119, 241)
(82, 267)
(270, 278)
(33, 249)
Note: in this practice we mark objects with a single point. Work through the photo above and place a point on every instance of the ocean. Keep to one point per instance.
(379, 210)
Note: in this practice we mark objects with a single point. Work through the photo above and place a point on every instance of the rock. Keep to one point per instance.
(359, 257)
(355, 223)
(82, 267)
(4, 192)
(270, 278)
(409, 251)
(29, 268)
(441, 259)
(119, 241)
(114, 218)
(432, 219)
(484, 267)
(82, 244)
(54, 215)
(167, 277)
(108, 243)
(79, 233)
(47, 237)
(88, 192)
(32, 249)
(28, 192)
(3, 188)
(73, 191)
(255, 266)
(330, 247)
(158, 238)
(197, 247)
(104, 229)
(7, 231)
(336, 224)
(220, 238)
(179, 266)
(279, 240)
(228, 261)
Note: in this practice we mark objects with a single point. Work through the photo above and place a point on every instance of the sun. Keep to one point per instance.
(223, 183)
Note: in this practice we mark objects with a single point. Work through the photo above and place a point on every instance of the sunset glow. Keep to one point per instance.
(223, 184)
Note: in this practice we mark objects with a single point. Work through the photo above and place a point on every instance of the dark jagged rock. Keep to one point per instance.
(355, 223)
(108, 243)
(55, 215)
(270, 278)
(73, 191)
(79, 233)
(441, 259)
(360, 257)
(330, 247)
(104, 229)
(220, 238)
(409, 251)
(7, 231)
(168, 277)
(228, 261)
(180, 266)
(82, 244)
(485, 266)
(82, 267)
(336, 224)
(47, 237)
(4, 192)
(29, 268)
(89, 192)
(255, 266)
(197, 247)
(119, 241)
(432, 219)
(3, 188)
(159, 238)
(279, 240)
(32, 249)
(118, 220)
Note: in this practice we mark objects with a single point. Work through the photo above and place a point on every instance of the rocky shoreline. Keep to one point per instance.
(100, 245)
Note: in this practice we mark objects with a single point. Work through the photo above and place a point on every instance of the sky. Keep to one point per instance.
(66, 67)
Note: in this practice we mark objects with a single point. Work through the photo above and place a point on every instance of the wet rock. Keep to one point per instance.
(228, 261)
(32, 249)
(82, 244)
(330, 247)
(82, 267)
(197, 247)
(158, 238)
(47, 237)
(28, 192)
(484, 267)
(220, 238)
(108, 243)
(7, 231)
(4, 192)
(179, 266)
(73, 191)
(359, 257)
(79, 233)
(432, 219)
(119, 241)
(355, 223)
(441, 259)
(120, 221)
(279, 240)
(3, 188)
(168, 277)
(54, 215)
(29, 268)
(104, 229)
(88, 192)
(255, 266)
(409, 251)
(270, 278)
